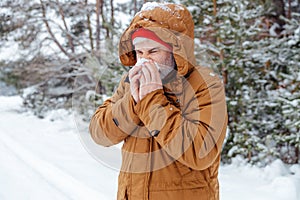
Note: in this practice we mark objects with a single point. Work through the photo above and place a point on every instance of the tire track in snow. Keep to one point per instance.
(66, 184)
(16, 175)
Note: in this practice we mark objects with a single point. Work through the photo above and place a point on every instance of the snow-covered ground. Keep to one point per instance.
(45, 159)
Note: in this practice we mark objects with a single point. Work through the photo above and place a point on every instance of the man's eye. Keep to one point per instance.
(154, 51)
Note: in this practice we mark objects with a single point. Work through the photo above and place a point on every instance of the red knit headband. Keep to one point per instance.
(145, 33)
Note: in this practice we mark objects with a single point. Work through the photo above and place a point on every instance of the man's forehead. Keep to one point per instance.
(145, 43)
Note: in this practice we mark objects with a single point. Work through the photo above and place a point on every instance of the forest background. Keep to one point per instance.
(55, 51)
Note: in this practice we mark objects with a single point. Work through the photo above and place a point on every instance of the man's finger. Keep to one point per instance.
(155, 76)
(146, 73)
(134, 71)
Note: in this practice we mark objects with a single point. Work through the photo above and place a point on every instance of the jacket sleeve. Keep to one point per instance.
(115, 119)
(194, 134)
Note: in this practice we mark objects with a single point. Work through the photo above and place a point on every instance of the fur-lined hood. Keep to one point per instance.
(173, 23)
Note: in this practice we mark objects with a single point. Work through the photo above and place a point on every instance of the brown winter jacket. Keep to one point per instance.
(187, 119)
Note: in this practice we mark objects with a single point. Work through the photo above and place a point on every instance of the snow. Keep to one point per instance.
(46, 159)
(7, 89)
(250, 182)
(152, 5)
(9, 51)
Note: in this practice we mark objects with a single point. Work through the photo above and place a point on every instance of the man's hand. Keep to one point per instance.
(149, 80)
(134, 78)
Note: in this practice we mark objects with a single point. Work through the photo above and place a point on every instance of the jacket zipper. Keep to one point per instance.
(148, 174)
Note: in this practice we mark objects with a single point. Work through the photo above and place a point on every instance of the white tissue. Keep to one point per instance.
(143, 60)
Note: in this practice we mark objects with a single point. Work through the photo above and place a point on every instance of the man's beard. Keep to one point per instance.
(166, 68)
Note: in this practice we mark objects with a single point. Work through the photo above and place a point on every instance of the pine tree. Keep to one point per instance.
(258, 60)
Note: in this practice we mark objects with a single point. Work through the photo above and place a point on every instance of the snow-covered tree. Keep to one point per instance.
(268, 90)
(69, 48)
(54, 38)
(254, 47)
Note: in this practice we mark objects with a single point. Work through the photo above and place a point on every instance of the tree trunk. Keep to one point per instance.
(221, 55)
(70, 39)
(112, 17)
(278, 6)
(50, 31)
(297, 155)
(215, 7)
(135, 7)
(104, 21)
(98, 28)
(89, 27)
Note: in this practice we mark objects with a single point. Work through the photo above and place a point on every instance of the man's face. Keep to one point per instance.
(157, 52)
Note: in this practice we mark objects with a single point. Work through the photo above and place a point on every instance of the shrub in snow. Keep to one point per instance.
(255, 51)
(260, 64)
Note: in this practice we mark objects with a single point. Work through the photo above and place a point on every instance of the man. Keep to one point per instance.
(170, 113)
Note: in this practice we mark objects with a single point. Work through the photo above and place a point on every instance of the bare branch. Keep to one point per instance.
(50, 31)
(112, 17)
(89, 27)
(70, 40)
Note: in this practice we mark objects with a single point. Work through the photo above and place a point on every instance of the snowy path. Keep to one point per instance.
(40, 158)
(44, 159)
(58, 179)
